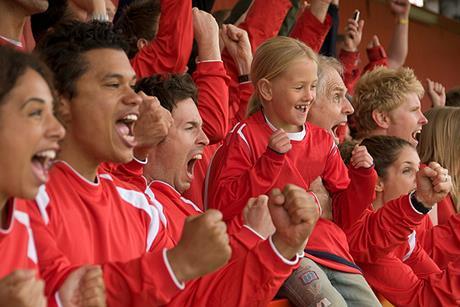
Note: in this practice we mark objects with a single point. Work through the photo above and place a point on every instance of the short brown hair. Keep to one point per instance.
(382, 89)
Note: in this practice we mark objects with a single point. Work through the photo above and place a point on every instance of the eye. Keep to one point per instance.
(408, 170)
(299, 87)
(113, 85)
(336, 98)
(36, 113)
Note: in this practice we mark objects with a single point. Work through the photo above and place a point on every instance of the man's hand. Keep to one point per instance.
(206, 33)
(433, 184)
(257, 216)
(237, 43)
(400, 8)
(436, 93)
(360, 157)
(280, 142)
(294, 213)
(353, 35)
(84, 287)
(374, 42)
(203, 248)
(152, 126)
(21, 289)
(323, 197)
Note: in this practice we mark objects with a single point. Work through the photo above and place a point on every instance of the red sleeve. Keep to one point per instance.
(212, 82)
(377, 57)
(235, 176)
(403, 287)
(349, 204)
(351, 73)
(445, 210)
(310, 30)
(335, 174)
(256, 24)
(377, 233)
(141, 281)
(442, 242)
(170, 50)
(239, 101)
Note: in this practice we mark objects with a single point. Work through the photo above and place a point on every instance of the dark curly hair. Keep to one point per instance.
(139, 20)
(63, 49)
(169, 88)
(14, 64)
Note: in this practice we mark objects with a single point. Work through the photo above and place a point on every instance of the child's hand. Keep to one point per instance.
(280, 142)
(361, 158)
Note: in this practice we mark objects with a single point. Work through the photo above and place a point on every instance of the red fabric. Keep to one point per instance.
(251, 278)
(310, 30)
(77, 222)
(446, 209)
(377, 57)
(351, 73)
(244, 167)
(170, 50)
(17, 245)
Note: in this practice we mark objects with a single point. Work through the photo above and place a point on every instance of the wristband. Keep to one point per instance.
(418, 205)
(243, 78)
(403, 21)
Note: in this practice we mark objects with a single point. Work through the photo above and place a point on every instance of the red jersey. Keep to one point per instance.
(254, 273)
(17, 244)
(245, 167)
(310, 30)
(79, 222)
(170, 50)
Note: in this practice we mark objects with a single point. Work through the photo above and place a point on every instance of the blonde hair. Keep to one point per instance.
(382, 89)
(272, 58)
(440, 142)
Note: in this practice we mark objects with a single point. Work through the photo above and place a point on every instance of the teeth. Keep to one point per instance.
(301, 108)
(49, 154)
(130, 118)
(198, 157)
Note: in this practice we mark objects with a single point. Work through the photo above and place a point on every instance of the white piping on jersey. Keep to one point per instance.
(293, 136)
(191, 203)
(240, 133)
(139, 200)
(23, 218)
(42, 200)
(206, 179)
(95, 184)
(411, 240)
(149, 193)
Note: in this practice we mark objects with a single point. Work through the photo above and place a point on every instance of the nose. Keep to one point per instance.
(309, 95)
(55, 131)
(423, 120)
(202, 138)
(347, 108)
(132, 98)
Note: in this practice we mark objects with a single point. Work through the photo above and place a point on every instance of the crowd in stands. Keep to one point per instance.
(156, 154)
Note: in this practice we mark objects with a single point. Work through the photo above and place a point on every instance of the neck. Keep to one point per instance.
(85, 164)
(286, 127)
(12, 20)
(378, 202)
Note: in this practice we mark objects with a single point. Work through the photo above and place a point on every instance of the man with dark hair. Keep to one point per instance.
(115, 225)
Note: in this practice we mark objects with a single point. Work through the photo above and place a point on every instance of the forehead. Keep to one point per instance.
(302, 68)
(186, 111)
(29, 84)
(103, 62)
(409, 101)
(408, 154)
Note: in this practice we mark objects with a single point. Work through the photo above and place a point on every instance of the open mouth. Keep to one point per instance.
(41, 163)
(125, 129)
(302, 108)
(191, 164)
(416, 135)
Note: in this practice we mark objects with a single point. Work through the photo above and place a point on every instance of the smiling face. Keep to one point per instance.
(331, 106)
(407, 119)
(100, 117)
(173, 160)
(288, 97)
(29, 134)
(400, 175)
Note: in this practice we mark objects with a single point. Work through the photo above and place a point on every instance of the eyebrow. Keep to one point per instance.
(32, 99)
(117, 76)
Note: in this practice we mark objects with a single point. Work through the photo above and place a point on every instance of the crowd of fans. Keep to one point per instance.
(153, 154)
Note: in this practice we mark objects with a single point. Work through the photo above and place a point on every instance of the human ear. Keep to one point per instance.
(265, 89)
(381, 118)
(63, 112)
(141, 43)
(379, 187)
